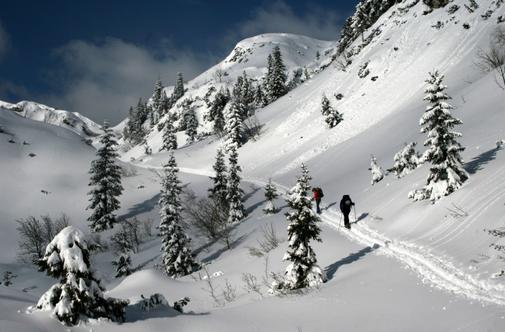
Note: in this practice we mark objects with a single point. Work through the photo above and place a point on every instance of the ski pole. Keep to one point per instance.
(340, 221)
(354, 208)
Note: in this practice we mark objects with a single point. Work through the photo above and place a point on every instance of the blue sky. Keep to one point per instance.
(98, 57)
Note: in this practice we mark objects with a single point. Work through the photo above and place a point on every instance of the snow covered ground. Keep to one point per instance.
(403, 266)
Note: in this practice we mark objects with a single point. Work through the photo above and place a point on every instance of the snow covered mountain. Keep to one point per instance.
(302, 55)
(73, 121)
(404, 265)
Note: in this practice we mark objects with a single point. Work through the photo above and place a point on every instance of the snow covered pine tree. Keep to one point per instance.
(235, 194)
(169, 138)
(175, 248)
(270, 195)
(303, 270)
(190, 122)
(276, 76)
(446, 173)
(106, 179)
(79, 292)
(220, 189)
(377, 172)
(332, 116)
(406, 160)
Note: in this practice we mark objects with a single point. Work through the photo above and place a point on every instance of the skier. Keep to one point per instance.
(345, 206)
(318, 194)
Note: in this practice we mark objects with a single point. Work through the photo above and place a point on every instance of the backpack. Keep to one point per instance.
(320, 192)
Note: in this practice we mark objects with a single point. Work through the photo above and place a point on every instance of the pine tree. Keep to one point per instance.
(7, 278)
(446, 173)
(123, 265)
(134, 131)
(175, 249)
(106, 180)
(178, 89)
(270, 195)
(219, 190)
(406, 160)
(260, 99)
(233, 126)
(377, 172)
(234, 193)
(79, 292)
(276, 77)
(332, 116)
(216, 110)
(169, 137)
(243, 96)
(157, 102)
(190, 123)
(303, 270)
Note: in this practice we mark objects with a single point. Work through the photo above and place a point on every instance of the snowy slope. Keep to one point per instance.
(379, 116)
(73, 121)
(249, 56)
(403, 266)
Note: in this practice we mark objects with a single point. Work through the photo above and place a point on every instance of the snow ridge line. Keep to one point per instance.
(432, 269)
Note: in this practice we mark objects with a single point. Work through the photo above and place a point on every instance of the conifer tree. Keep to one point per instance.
(270, 195)
(406, 160)
(446, 172)
(219, 190)
(106, 182)
(123, 265)
(332, 116)
(303, 228)
(377, 172)
(169, 137)
(134, 131)
(234, 193)
(233, 126)
(260, 99)
(157, 102)
(175, 249)
(276, 77)
(190, 123)
(243, 96)
(79, 292)
(216, 110)
(178, 89)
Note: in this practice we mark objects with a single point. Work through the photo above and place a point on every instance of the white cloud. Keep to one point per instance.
(101, 80)
(316, 22)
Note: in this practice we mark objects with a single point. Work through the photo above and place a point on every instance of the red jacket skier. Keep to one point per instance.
(318, 194)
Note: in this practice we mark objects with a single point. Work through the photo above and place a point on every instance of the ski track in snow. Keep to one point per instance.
(432, 269)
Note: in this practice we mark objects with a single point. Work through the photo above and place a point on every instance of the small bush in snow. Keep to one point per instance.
(7, 278)
(270, 195)
(377, 172)
(79, 293)
(122, 265)
(406, 160)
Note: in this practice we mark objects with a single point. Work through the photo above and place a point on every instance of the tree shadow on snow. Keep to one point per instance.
(477, 163)
(249, 194)
(133, 313)
(330, 205)
(143, 207)
(253, 207)
(219, 252)
(353, 257)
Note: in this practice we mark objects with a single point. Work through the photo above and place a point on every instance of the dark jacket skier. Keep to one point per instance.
(318, 194)
(345, 206)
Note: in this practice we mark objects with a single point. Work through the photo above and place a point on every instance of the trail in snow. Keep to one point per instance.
(432, 269)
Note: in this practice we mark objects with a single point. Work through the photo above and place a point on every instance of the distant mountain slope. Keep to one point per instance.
(73, 121)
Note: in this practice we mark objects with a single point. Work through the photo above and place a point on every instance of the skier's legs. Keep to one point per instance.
(346, 221)
(318, 209)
